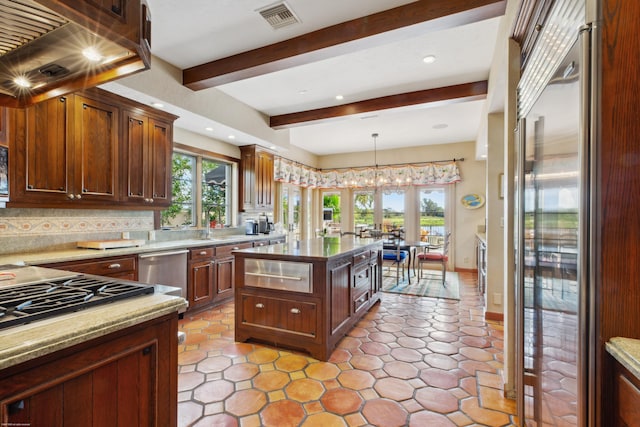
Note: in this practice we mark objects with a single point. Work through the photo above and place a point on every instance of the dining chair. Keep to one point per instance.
(349, 233)
(394, 254)
(436, 258)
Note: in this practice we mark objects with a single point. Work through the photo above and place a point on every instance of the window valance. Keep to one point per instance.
(437, 173)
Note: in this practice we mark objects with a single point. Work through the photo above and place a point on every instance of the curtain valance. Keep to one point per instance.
(419, 174)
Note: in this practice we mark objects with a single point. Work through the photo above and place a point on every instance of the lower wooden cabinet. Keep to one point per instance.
(127, 378)
(284, 314)
(122, 267)
(626, 399)
(200, 284)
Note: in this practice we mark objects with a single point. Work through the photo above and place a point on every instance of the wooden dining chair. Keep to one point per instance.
(393, 254)
(436, 258)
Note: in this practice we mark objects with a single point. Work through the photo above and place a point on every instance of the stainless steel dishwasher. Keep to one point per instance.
(164, 268)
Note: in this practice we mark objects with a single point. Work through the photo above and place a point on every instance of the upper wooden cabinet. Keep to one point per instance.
(77, 150)
(256, 178)
(147, 142)
(3, 126)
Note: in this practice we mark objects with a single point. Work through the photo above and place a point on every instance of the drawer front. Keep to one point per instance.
(278, 240)
(291, 316)
(279, 275)
(362, 276)
(225, 250)
(260, 243)
(361, 258)
(360, 301)
(198, 254)
(113, 267)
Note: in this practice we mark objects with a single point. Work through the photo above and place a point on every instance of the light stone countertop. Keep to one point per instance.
(21, 343)
(320, 248)
(627, 352)
(76, 254)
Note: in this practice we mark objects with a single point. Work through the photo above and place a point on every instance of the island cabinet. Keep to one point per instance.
(305, 295)
(125, 378)
(66, 152)
(256, 178)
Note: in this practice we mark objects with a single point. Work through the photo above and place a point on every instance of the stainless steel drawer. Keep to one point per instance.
(281, 275)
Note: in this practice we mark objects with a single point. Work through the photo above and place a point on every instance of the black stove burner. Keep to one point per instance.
(25, 303)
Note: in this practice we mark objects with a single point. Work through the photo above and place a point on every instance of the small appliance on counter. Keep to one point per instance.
(264, 225)
(251, 227)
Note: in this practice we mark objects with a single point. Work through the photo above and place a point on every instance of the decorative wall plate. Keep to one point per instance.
(472, 201)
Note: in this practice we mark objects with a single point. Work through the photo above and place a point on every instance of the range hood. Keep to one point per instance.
(52, 47)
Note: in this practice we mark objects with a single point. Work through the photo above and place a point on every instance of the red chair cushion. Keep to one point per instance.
(432, 256)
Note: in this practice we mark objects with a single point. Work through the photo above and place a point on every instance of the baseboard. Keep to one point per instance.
(495, 317)
(465, 270)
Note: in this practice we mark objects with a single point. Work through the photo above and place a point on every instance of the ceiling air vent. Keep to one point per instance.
(279, 15)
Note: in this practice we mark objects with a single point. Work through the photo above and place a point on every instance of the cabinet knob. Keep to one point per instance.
(84, 190)
(78, 196)
(71, 196)
(30, 187)
(114, 265)
(295, 310)
(259, 305)
(203, 253)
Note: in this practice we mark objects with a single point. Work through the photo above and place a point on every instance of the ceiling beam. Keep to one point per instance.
(442, 96)
(409, 20)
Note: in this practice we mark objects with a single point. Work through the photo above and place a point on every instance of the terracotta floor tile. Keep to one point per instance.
(193, 325)
(213, 391)
(440, 361)
(190, 357)
(402, 370)
(394, 388)
(340, 356)
(245, 402)
(356, 379)
(218, 420)
(389, 327)
(215, 328)
(444, 336)
(237, 349)
(437, 400)
(478, 342)
(304, 390)
(489, 379)
(322, 371)
(483, 416)
(271, 380)
(324, 419)
(383, 337)
(188, 412)
(385, 413)
(241, 372)
(355, 420)
(341, 401)
(411, 342)
(358, 332)
(263, 355)
(439, 378)
(492, 398)
(442, 347)
(431, 419)
(284, 413)
(291, 363)
(375, 348)
(406, 354)
(471, 366)
(313, 407)
(214, 364)
(416, 332)
(476, 354)
(366, 362)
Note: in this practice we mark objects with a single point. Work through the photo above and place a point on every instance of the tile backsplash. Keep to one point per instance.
(25, 230)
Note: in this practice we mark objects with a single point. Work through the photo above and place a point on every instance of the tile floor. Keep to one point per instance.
(411, 361)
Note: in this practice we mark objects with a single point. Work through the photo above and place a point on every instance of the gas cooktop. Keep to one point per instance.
(37, 299)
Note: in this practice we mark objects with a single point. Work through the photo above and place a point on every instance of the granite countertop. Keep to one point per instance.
(76, 254)
(21, 343)
(627, 352)
(320, 248)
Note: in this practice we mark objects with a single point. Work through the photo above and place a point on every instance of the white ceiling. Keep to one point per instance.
(186, 33)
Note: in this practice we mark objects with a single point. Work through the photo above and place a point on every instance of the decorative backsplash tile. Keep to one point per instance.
(27, 225)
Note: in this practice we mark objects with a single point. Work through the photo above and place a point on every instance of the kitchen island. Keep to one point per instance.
(306, 295)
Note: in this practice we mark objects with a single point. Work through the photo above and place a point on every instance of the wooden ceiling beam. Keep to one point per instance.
(442, 95)
(414, 18)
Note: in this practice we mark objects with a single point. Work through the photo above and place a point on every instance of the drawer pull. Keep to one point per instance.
(259, 305)
(203, 253)
(115, 265)
(295, 310)
(235, 248)
(361, 276)
(273, 276)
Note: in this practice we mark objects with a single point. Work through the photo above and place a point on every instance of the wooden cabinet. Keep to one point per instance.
(121, 267)
(146, 153)
(127, 378)
(256, 178)
(626, 400)
(66, 152)
(200, 283)
(4, 124)
(225, 270)
(284, 314)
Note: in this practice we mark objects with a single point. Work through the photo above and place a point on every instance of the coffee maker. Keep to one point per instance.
(251, 227)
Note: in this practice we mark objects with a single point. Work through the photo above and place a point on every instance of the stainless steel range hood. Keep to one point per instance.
(52, 47)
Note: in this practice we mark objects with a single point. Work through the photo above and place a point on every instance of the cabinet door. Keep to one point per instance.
(247, 179)
(3, 126)
(200, 288)
(136, 163)
(339, 281)
(286, 315)
(224, 277)
(264, 180)
(42, 159)
(160, 144)
(96, 150)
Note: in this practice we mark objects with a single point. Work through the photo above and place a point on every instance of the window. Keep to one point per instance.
(209, 196)
(392, 209)
(432, 214)
(331, 214)
(364, 209)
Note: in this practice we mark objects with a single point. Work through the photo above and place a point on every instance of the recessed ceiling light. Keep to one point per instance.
(429, 59)
(22, 81)
(157, 104)
(441, 126)
(339, 97)
(209, 129)
(92, 54)
(302, 92)
(232, 137)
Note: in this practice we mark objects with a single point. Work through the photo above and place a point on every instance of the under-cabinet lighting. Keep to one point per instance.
(92, 54)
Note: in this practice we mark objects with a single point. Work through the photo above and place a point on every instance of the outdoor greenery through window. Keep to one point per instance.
(364, 209)
(209, 196)
(431, 213)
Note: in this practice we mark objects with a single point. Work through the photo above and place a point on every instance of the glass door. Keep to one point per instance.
(432, 215)
(291, 209)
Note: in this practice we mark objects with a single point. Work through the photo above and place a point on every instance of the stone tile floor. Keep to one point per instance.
(411, 361)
